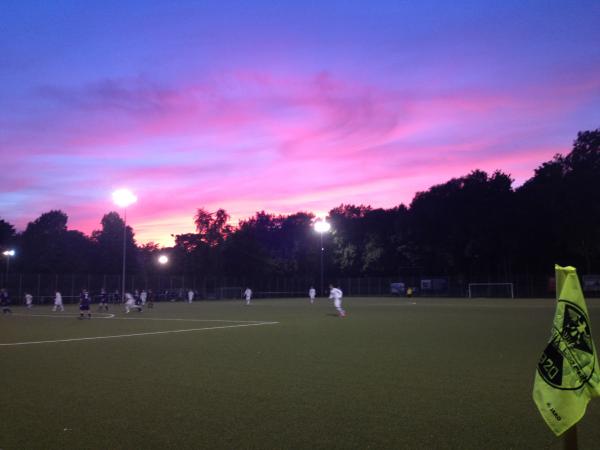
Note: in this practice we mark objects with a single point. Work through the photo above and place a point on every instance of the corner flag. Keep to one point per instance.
(567, 374)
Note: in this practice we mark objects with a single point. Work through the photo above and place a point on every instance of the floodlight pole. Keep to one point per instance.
(124, 198)
(322, 252)
(124, 252)
(322, 227)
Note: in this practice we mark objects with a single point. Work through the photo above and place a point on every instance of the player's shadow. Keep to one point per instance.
(332, 314)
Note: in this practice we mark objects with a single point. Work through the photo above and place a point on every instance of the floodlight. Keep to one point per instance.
(322, 226)
(8, 254)
(123, 197)
(163, 259)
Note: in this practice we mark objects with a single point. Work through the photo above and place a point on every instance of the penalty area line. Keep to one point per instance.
(12, 344)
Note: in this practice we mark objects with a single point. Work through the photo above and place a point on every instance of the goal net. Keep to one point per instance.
(491, 290)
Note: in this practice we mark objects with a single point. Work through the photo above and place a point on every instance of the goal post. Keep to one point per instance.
(493, 290)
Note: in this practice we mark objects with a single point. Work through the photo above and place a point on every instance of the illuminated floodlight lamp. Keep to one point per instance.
(8, 254)
(321, 226)
(163, 259)
(123, 198)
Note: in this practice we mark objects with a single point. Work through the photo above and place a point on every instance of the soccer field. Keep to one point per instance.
(281, 373)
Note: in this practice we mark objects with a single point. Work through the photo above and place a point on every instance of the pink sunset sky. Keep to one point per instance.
(281, 107)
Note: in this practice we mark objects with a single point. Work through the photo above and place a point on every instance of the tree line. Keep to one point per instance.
(477, 226)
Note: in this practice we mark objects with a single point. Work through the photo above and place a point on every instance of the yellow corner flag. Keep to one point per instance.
(567, 374)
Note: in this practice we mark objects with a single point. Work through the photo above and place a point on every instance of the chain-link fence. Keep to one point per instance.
(44, 286)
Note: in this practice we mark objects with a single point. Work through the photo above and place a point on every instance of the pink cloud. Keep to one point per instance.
(252, 140)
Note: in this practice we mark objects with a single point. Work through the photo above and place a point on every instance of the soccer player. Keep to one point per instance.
(336, 294)
(248, 295)
(84, 304)
(28, 300)
(103, 300)
(150, 299)
(312, 294)
(190, 296)
(143, 296)
(5, 301)
(58, 303)
(130, 303)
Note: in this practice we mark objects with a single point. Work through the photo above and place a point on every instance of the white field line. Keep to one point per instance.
(190, 320)
(65, 315)
(11, 344)
(112, 316)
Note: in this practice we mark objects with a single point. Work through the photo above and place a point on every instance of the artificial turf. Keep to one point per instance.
(397, 374)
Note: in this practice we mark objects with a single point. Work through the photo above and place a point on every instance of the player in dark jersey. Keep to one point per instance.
(150, 298)
(5, 301)
(84, 304)
(103, 300)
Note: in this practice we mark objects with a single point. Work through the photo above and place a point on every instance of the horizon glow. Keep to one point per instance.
(281, 107)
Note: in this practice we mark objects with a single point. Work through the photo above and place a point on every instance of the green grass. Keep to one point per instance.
(445, 373)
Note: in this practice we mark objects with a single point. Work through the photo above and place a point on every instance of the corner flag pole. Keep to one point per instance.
(570, 442)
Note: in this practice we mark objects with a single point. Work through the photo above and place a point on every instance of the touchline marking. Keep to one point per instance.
(136, 334)
(188, 320)
(112, 316)
(64, 316)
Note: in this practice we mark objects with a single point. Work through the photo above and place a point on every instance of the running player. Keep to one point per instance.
(58, 302)
(84, 304)
(336, 294)
(103, 300)
(28, 300)
(131, 303)
(5, 301)
(248, 295)
(312, 293)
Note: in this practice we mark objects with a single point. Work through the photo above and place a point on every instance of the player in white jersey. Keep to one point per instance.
(58, 302)
(130, 303)
(28, 300)
(143, 296)
(336, 294)
(190, 296)
(248, 295)
(312, 293)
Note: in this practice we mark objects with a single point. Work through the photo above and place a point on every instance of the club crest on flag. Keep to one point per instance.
(567, 377)
(568, 361)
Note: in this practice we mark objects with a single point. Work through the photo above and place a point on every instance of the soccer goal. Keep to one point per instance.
(492, 290)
